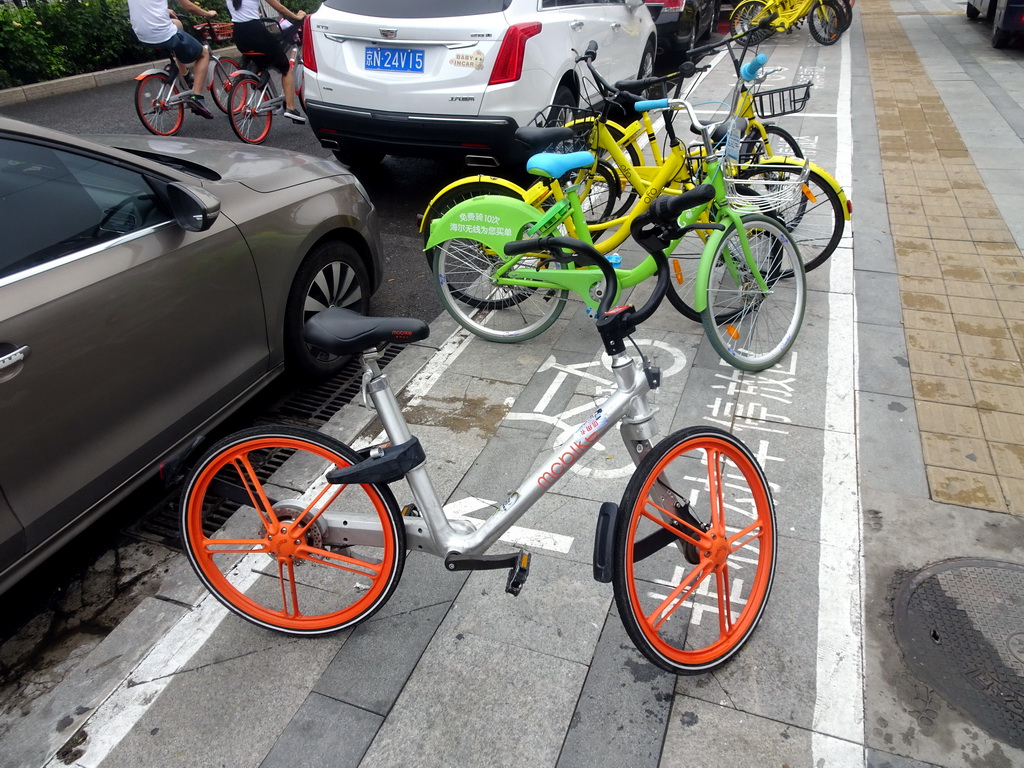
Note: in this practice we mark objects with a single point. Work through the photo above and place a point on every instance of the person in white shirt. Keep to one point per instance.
(157, 26)
(252, 36)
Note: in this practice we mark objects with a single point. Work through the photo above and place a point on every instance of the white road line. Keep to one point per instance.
(838, 726)
(115, 717)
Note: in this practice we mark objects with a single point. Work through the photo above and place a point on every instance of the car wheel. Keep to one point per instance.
(1000, 37)
(691, 40)
(563, 106)
(972, 12)
(647, 62)
(357, 157)
(332, 275)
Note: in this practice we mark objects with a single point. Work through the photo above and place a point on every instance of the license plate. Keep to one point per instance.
(394, 59)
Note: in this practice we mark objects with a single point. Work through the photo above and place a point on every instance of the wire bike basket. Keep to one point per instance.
(782, 101)
(765, 188)
(220, 31)
(582, 121)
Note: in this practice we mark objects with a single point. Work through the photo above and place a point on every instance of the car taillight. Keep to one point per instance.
(673, 5)
(308, 55)
(509, 65)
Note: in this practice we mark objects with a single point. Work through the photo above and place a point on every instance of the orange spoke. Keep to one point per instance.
(745, 532)
(282, 566)
(323, 508)
(245, 546)
(676, 597)
(725, 621)
(715, 491)
(249, 479)
(341, 562)
(661, 521)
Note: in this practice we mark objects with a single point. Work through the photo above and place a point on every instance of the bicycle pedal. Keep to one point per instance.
(517, 575)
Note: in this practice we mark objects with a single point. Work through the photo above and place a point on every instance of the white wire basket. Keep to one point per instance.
(768, 189)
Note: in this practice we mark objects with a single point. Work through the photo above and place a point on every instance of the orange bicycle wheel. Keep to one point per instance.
(695, 550)
(152, 94)
(281, 547)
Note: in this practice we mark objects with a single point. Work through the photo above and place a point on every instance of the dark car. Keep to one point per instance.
(148, 287)
(681, 23)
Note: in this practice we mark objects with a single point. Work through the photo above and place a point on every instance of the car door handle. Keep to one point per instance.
(13, 358)
(576, 24)
(10, 360)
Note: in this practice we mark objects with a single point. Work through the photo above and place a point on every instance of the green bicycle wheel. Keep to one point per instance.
(749, 328)
(464, 274)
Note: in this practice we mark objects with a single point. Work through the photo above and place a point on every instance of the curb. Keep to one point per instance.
(24, 93)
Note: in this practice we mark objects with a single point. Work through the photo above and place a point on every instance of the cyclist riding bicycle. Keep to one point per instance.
(157, 26)
(251, 34)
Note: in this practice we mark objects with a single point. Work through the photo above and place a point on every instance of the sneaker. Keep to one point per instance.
(198, 106)
(295, 116)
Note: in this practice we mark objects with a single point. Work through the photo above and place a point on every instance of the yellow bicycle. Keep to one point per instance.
(826, 19)
(610, 189)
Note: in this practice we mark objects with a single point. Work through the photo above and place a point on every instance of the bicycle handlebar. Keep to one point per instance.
(581, 251)
(750, 70)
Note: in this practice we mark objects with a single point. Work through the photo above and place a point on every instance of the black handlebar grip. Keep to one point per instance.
(591, 52)
(667, 208)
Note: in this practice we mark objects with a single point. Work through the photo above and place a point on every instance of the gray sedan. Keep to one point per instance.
(148, 287)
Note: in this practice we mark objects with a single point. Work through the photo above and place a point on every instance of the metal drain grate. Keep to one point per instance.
(308, 406)
(960, 625)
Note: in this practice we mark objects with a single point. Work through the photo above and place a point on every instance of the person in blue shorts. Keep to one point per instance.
(157, 26)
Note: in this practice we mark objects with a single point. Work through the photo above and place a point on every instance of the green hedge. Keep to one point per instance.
(48, 40)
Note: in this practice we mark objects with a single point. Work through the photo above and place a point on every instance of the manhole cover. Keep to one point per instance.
(960, 625)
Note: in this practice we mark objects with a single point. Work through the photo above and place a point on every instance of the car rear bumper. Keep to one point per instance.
(417, 135)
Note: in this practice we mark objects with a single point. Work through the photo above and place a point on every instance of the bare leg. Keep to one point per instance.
(182, 68)
(288, 86)
(199, 72)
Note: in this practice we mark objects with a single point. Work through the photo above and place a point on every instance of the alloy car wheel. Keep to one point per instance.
(332, 275)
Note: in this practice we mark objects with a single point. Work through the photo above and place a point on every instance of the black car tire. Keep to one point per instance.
(333, 274)
(563, 98)
(1000, 37)
(972, 12)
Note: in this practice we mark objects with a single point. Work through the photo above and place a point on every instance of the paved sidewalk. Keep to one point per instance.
(961, 274)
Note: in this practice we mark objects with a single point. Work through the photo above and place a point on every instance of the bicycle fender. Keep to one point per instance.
(604, 542)
(828, 177)
(700, 285)
(489, 219)
(462, 182)
(241, 72)
(149, 72)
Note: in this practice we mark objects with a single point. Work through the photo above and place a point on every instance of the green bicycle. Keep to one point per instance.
(749, 289)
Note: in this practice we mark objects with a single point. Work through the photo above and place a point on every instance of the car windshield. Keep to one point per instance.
(422, 9)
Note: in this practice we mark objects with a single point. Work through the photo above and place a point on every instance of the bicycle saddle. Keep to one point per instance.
(721, 130)
(539, 139)
(344, 332)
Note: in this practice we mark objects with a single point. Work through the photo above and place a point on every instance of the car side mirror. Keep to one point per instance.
(194, 209)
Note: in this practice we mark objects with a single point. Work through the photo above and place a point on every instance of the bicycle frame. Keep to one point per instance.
(507, 219)
(441, 536)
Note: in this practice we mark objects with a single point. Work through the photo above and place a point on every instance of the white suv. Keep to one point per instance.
(433, 77)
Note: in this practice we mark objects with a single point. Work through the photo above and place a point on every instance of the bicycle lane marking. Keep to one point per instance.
(838, 727)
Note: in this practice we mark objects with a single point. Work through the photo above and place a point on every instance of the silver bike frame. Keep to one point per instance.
(434, 532)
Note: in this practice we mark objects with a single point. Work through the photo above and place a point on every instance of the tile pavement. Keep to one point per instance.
(961, 282)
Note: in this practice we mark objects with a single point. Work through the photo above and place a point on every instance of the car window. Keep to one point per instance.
(422, 9)
(53, 203)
